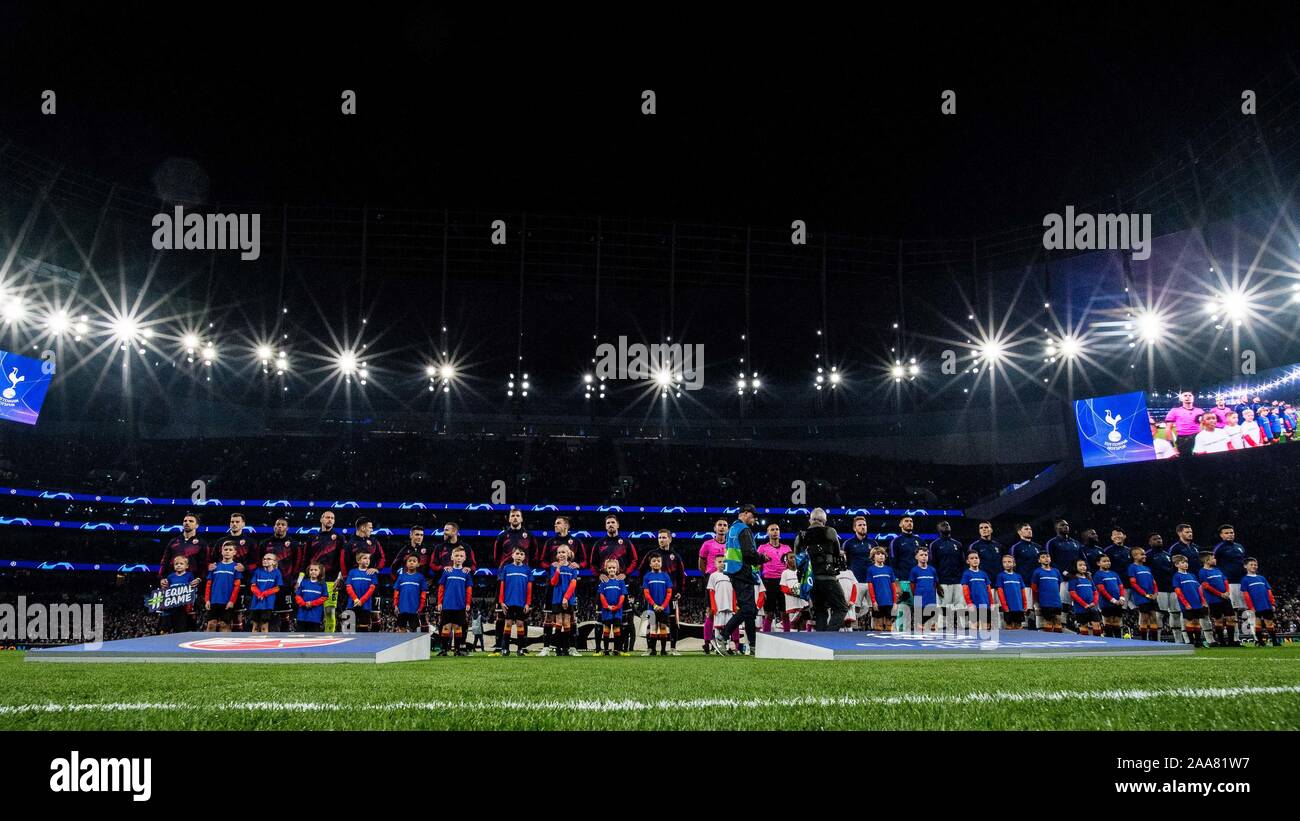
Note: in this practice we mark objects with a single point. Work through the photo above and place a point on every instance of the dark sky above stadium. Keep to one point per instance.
(808, 112)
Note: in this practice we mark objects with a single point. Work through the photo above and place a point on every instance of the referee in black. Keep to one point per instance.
(822, 544)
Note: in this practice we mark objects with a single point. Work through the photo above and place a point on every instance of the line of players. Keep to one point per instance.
(271, 583)
(882, 580)
(1181, 590)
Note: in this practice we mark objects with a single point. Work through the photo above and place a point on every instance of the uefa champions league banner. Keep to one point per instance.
(23, 383)
(1114, 430)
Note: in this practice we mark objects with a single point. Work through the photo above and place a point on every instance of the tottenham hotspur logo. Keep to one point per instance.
(1113, 421)
(14, 379)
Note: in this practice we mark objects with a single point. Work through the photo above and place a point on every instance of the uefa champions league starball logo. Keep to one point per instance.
(11, 391)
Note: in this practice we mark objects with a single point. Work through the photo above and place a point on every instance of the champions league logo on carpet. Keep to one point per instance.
(236, 643)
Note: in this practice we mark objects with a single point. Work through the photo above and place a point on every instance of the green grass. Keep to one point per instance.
(495, 693)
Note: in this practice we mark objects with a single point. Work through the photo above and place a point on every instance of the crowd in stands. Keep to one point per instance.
(535, 469)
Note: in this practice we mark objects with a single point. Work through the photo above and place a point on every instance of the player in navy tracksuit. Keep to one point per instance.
(455, 598)
(310, 595)
(1162, 567)
(902, 555)
(1143, 584)
(612, 596)
(948, 558)
(1191, 598)
(857, 550)
(515, 596)
(1091, 549)
(990, 551)
(1084, 597)
(410, 592)
(1121, 555)
(264, 592)
(359, 588)
(1110, 594)
(1231, 559)
(1065, 551)
(1046, 583)
(1258, 595)
(1026, 552)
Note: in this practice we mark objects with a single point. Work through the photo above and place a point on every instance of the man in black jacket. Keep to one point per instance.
(822, 544)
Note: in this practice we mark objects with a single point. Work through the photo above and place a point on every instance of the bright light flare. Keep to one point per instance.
(14, 310)
(1150, 326)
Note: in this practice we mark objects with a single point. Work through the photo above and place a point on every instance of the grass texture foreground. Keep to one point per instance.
(1227, 689)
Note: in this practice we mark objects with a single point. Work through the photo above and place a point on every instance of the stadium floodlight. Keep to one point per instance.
(264, 353)
(430, 371)
(587, 378)
(991, 351)
(347, 363)
(835, 377)
(1070, 346)
(190, 341)
(125, 328)
(897, 372)
(59, 322)
(913, 370)
(447, 371)
(14, 310)
(663, 377)
(756, 384)
(1150, 326)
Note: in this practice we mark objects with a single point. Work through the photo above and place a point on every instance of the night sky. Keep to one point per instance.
(832, 118)
(807, 114)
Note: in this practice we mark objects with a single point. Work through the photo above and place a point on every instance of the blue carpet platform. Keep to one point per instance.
(858, 646)
(297, 648)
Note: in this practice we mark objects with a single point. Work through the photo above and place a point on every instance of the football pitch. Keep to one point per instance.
(1228, 689)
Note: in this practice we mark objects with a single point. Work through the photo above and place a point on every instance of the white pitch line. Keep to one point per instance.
(636, 705)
